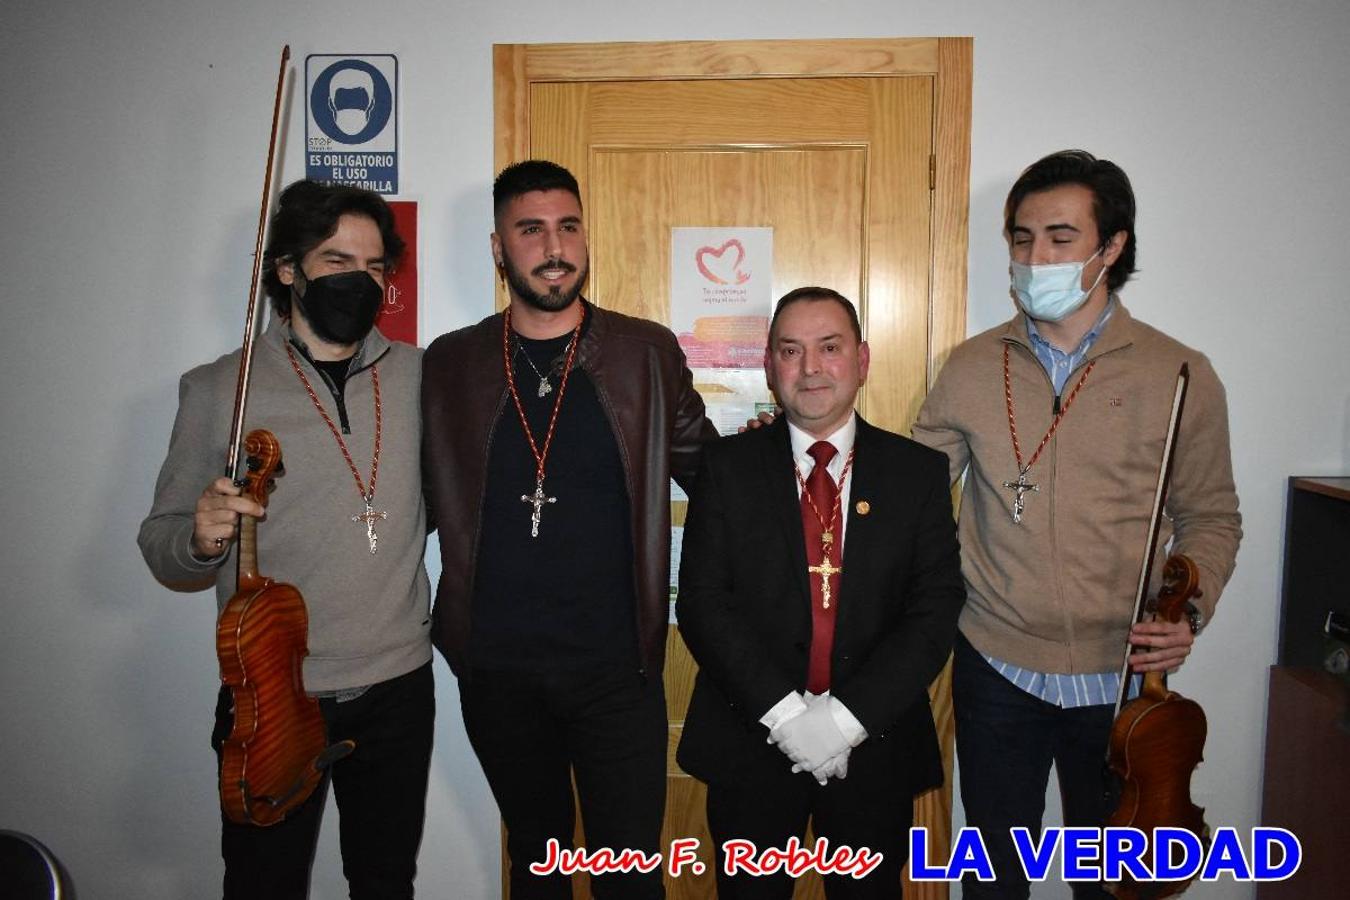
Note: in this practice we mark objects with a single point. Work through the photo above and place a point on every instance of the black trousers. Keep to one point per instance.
(534, 731)
(1006, 740)
(381, 791)
(870, 808)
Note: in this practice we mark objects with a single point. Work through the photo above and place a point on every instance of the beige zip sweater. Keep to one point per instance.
(1055, 593)
(368, 614)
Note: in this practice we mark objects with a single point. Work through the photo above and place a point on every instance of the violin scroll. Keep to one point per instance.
(1180, 582)
(263, 457)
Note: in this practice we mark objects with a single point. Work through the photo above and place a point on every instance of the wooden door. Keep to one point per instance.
(856, 153)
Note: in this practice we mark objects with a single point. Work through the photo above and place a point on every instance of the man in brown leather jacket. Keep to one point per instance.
(550, 435)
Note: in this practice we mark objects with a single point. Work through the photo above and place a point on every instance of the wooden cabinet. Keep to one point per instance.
(1316, 566)
(1307, 765)
(1307, 784)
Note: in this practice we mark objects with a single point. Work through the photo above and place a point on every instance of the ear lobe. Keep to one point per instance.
(1114, 247)
(285, 271)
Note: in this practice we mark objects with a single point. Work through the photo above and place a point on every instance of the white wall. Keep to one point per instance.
(133, 147)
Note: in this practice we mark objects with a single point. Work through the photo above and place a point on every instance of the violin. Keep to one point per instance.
(1158, 738)
(1156, 742)
(276, 754)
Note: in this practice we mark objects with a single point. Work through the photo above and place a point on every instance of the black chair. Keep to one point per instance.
(29, 871)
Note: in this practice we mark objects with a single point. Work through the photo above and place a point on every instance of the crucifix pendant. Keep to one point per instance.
(1020, 486)
(537, 500)
(369, 518)
(545, 387)
(825, 570)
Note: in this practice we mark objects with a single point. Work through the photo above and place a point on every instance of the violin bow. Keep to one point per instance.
(1154, 523)
(252, 315)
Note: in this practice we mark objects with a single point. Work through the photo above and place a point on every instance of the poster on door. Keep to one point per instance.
(720, 305)
(721, 283)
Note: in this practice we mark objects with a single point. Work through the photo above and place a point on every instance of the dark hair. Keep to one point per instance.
(531, 175)
(1112, 199)
(307, 215)
(816, 293)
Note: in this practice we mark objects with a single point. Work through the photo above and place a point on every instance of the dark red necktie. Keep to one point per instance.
(821, 488)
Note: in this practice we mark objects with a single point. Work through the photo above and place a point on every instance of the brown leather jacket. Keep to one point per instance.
(658, 419)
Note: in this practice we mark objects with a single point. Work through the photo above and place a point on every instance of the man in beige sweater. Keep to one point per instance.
(1058, 419)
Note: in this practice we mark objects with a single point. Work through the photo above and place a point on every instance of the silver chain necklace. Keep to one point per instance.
(545, 386)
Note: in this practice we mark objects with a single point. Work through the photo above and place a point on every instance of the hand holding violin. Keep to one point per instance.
(216, 519)
(1168, 643)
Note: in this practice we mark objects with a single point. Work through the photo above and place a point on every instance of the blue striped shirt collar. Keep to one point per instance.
(1056, 362)
(1088, 339)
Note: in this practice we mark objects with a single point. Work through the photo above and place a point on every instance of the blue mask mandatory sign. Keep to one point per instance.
(351, 125)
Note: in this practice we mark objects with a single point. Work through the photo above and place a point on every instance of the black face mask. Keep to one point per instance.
(341, 308)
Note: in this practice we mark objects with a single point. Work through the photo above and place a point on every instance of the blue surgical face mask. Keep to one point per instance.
(1050, 293)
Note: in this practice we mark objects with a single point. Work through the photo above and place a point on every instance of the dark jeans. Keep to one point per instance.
(381, 791)
(534, 731)
(1005, 742)
(865, 809)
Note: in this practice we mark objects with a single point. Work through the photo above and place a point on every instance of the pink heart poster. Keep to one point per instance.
(721, 294)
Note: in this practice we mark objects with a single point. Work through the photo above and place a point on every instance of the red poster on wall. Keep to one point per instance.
(398, 317)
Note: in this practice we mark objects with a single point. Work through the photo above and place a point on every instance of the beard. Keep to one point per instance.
(555, 299)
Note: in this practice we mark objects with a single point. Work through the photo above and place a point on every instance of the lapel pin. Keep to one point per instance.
(863, 507)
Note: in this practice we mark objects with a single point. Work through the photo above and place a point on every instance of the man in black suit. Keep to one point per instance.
(819, 604)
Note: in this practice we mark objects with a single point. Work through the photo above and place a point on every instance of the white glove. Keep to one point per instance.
(835, 767)
(810, 739)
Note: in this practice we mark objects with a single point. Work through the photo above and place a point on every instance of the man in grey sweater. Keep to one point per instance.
(346, 526)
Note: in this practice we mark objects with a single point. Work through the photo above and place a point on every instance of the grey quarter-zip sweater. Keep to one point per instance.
(369, 617)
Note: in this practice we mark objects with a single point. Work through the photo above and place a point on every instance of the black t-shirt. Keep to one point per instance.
(335, 373)
(566, 598)
(336, 370)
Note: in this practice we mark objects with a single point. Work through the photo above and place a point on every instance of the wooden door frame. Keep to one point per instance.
(947, 60)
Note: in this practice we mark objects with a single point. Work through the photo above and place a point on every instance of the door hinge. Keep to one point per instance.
(932, 171)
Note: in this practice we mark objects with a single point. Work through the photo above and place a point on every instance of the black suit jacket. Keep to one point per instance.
(744, 604)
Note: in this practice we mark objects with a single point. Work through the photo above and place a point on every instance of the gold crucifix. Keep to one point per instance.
(825, 570)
